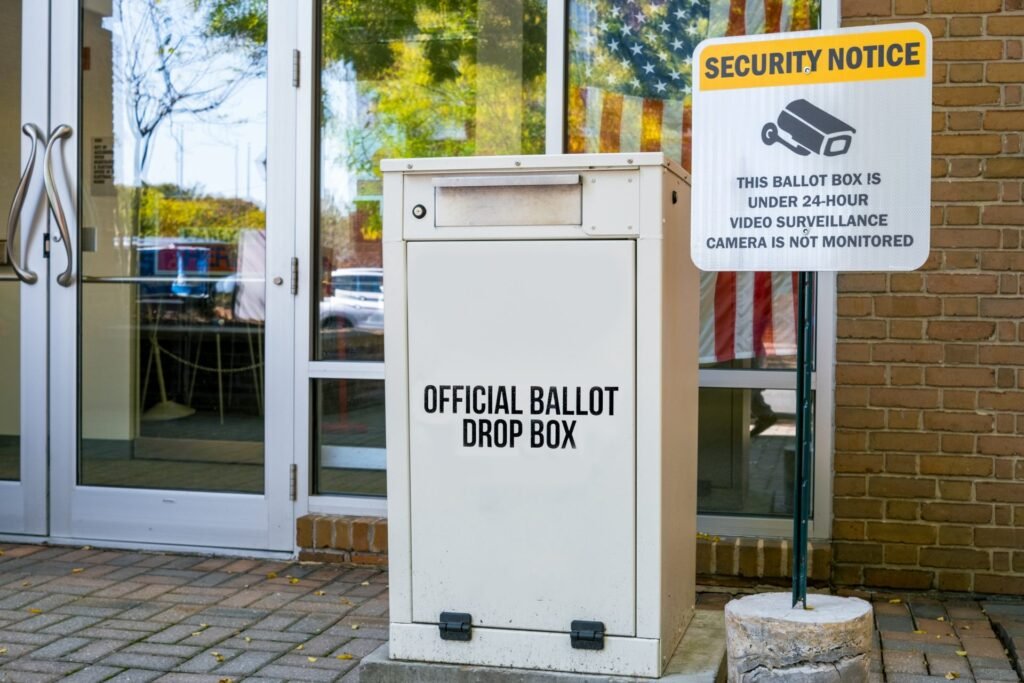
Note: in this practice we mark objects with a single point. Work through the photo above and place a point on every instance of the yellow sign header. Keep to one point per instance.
(861, 56)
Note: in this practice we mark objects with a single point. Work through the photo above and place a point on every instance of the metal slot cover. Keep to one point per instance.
(486, 201)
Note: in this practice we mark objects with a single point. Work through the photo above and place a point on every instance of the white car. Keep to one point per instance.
(356, 300)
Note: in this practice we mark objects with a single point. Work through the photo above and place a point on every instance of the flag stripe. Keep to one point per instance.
(725, 324)
(650, 132)
(611, 119)
(632, 118)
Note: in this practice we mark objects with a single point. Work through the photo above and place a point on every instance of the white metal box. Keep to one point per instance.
(541, 386)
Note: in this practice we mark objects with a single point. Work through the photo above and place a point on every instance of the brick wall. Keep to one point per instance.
(929, 448)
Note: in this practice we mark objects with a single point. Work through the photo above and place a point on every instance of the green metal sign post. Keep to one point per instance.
(806, 283)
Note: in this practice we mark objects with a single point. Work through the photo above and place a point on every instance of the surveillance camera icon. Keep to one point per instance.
(804, 128)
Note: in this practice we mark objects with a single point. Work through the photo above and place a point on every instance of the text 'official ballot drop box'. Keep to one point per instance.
(541, 334)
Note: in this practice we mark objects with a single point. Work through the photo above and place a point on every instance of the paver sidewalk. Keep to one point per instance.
(86, 615)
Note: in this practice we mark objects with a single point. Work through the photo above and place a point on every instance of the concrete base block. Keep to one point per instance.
(700, 658)
(768, 640)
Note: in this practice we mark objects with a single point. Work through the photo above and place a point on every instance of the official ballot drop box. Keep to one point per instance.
(541, 334)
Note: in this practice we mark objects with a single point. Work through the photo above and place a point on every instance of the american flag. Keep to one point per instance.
(630, 79)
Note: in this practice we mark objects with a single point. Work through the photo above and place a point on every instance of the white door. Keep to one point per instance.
(168, 310)
(23, 269)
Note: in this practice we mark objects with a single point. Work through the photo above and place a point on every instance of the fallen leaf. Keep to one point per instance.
(920, 632)
(346, 601)
(203, 625)
(196, 633)
(355, 627)
(293, 581)
(248, 639)
(3, 650)
(26, 583)
(310, 659)
(319, 593)
(962, 653)
(940, 618)
(215, 654)
(1, 553)
(34, 610)
(966, 628)
(895, 601)
(77, 570)
(344, 656)
(952, 675)
(365, 583)
(224, 680)
(86, 547)
(271, 575)
(219, 658)
(300, 647)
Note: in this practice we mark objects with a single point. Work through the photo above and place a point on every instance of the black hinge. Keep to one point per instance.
(587, 635)
(46, 245)
(456, 626)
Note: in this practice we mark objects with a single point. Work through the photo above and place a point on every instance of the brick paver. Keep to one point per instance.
(85, 615)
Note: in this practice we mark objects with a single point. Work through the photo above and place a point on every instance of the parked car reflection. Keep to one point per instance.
(356, 300)
(352, 315)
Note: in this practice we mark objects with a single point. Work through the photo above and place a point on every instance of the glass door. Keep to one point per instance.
(23, 268)
(169, 279)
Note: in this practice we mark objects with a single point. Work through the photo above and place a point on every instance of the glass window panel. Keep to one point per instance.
(349, 452)
(746, 446)
(173, 201)
(10, 289)
(630, 70)
(411, 79)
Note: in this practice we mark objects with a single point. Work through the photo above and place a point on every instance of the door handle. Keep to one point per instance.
(35, 135)
(60, 132)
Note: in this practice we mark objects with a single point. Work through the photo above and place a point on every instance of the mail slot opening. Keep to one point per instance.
(510, 200)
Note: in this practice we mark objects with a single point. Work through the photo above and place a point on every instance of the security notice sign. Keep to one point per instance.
(812, 150)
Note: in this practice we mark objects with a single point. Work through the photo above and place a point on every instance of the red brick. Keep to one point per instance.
(966, 73)
(999, 492)
(960, 377)
(902, 509)
(954, 465)
(911, 6)
(994, 537)
(965, 6)
(960, 331)
(966, 144)
(901, 487)
(965, 26)
(867, 8)
(998, 73)
(959, 558)
(898, 578)
(1003, 308)
(965, 191)
(991, 444)
(963, 513)
(999, 584)
(861, 282)
(898, 532)
(966, 95)
(954, 581)
(958, 422)
(857, 508)
(1005, 26)
(904, 398)
(954, 490)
